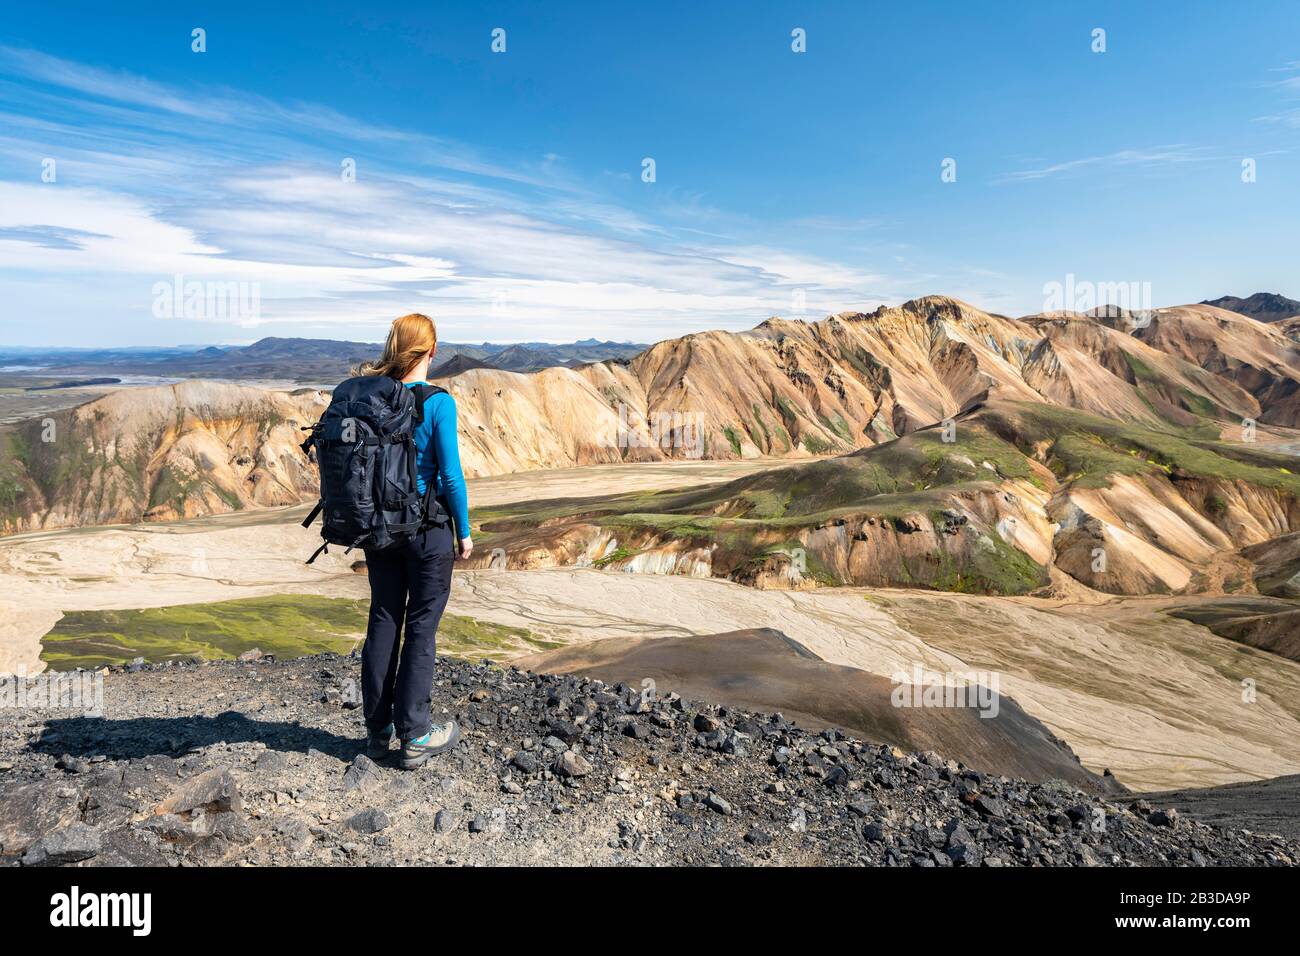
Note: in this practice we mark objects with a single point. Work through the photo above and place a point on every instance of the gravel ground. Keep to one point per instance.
(259, 763)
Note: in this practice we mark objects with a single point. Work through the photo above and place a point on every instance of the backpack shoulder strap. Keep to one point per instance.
(422, 393)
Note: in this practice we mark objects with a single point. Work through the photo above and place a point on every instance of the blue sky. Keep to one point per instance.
(503, 192)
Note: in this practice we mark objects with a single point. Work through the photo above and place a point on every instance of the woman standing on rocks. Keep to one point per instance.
(412, 581)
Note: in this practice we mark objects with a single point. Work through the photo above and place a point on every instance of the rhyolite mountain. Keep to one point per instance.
(975, 451)
(1022, 494)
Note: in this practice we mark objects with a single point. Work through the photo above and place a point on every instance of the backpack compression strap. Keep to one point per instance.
(314, 512)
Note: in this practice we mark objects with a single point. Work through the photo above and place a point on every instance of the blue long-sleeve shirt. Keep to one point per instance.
(438, 457)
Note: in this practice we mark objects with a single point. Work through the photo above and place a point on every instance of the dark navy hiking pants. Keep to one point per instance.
(410, 584)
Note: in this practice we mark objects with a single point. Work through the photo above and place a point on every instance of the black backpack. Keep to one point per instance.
(365, 448)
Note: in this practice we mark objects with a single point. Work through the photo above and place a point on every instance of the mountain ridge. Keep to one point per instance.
(1262, 306)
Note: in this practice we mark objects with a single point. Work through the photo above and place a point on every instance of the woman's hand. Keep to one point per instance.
(466, 548)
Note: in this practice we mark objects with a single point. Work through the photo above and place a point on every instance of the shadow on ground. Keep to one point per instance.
(173, 736)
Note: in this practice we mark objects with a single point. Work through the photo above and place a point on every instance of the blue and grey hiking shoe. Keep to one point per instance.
(378, 742)
(440, 738)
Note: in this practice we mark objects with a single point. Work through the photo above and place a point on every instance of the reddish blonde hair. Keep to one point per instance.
(411, 338)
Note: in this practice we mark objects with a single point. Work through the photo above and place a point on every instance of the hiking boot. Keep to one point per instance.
(378, 742)
(440, 738)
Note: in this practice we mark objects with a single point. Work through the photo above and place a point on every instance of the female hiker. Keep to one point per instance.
(410, 582)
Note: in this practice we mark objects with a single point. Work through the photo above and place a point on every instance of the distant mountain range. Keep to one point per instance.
(1264, 306)
(307, 360)
(320, 361)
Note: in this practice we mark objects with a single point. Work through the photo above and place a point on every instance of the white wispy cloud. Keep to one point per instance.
(1284, 117)
(226, 186)
(1152, 156)
(1292, 82)
(1289, 115)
